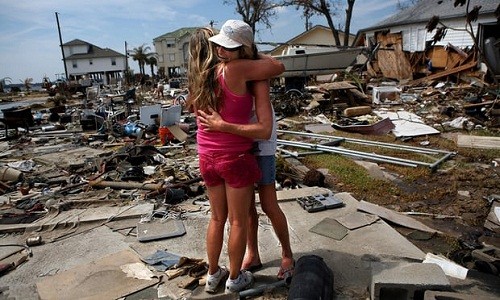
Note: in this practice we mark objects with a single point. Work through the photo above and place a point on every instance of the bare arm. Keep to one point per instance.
(256, 69)
(240, 71)
(261, 129)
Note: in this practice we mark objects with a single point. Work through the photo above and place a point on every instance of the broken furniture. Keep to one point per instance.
(15, 117)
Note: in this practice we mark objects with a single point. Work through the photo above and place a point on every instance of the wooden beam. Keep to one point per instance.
(479, 142)
(444, 73)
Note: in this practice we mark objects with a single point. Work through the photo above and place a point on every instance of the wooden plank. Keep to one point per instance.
(444, 73)
(340, 85)
(392, 59)
(357, 111)
(480, 142)
(454, 60)
(438, 56)
(477, 105)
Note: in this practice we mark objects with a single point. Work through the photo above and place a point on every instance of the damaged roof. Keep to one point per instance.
(424, 10)
(93, 51)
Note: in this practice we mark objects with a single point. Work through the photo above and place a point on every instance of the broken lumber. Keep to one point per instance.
(125, 185)
(444, 73)
(479, 142)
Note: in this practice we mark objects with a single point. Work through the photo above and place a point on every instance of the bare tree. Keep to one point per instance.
(328, 9)
(255, 11)
(348, 17)
(307, 16)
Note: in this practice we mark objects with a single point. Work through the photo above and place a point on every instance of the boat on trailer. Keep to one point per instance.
(301, 61)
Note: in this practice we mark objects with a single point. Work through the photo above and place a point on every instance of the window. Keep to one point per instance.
(171, 56)
(170, 44)
(75, 65)
(113, 61)
(91, 62)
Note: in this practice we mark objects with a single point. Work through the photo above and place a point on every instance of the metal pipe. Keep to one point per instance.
(364, 142)
(441, 160)
(298, 154)
(375, 157)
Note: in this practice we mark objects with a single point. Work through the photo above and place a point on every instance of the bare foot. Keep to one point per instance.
(251, 264)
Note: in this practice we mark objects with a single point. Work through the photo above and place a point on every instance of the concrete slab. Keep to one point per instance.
(350, 259)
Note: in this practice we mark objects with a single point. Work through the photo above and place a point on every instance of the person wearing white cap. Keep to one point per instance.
(234, 34)
(237, 35)
(227, 165)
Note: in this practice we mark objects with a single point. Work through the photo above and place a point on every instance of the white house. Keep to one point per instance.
(412, 21)
(87, 61)
(404, 40)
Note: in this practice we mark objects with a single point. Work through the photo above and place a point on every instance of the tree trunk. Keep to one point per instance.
(348, 16)
(334, 30)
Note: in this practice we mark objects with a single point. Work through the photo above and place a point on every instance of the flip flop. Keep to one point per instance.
(254, 268)
(286, 273)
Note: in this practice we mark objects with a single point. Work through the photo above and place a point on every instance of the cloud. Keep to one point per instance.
(27, 25)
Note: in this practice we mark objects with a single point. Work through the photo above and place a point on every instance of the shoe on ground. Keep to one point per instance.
(243, 282)
(214, 280)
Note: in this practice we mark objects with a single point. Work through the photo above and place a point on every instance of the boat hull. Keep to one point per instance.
(318, 63)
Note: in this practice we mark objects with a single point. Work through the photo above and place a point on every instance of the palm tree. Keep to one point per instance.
(27, 83)
(141, 54)
(152, 61)
(3, 83)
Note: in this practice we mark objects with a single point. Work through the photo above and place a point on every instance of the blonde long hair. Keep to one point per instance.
(202, 66)
(203, 86)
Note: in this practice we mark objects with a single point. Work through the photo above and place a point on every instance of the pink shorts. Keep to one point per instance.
(236, 169)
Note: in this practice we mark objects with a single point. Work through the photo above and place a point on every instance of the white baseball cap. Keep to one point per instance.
(234, 34)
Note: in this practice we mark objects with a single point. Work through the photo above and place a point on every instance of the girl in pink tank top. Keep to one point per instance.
(226, 163)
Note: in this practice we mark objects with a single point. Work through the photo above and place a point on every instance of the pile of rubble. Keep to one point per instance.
(133, 155)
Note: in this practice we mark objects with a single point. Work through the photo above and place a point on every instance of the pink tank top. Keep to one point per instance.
(237, 109)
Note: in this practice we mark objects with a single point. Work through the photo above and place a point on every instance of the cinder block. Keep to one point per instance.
(407, 282)
(440, 295)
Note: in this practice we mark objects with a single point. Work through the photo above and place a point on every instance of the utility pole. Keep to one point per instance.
(126, 64)
(61, 45)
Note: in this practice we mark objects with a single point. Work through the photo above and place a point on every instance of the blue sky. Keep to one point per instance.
(29, 41)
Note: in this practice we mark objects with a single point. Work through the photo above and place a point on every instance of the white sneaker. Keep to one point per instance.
(214, 280)
(244, 281)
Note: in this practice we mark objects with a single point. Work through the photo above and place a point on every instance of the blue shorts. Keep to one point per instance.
(267, 165)
(236, 169)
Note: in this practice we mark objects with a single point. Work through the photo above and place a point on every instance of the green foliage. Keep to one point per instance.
(142, 55)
